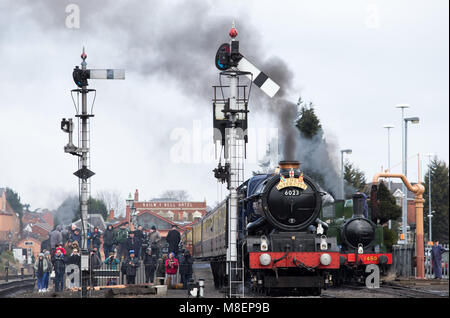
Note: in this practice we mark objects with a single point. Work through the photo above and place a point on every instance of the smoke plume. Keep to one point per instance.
(177, 42)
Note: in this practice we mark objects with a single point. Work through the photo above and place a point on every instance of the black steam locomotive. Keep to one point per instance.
(282, 243)
(359, 238)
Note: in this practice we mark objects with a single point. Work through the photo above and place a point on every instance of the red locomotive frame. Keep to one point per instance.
(309, 259)
(366, 259)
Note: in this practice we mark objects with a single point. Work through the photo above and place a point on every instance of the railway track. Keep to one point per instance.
(400, 291)
(12, 288)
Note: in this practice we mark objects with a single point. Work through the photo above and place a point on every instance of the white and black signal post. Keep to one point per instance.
(80, 76)
(230, 115)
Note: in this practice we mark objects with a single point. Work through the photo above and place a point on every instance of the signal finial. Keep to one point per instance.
(83, 55)
(233, 32)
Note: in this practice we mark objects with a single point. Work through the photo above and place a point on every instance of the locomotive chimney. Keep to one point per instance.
(286, 165)
(359, 201)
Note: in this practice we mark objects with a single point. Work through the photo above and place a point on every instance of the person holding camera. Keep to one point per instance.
(186, 268)
(171, 269)
(112, 263)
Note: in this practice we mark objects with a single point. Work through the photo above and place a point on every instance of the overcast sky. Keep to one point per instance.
(355, 60)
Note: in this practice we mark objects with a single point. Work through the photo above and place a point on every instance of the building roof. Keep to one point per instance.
(94, 220)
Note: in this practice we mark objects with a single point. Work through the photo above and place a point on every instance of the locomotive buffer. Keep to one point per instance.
(230, 119)
(80, 77)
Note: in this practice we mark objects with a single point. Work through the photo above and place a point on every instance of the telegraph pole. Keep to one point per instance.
(80, 76)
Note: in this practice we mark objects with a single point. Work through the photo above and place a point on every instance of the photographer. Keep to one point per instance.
(186, 268)
(171, 269)
(112, 263)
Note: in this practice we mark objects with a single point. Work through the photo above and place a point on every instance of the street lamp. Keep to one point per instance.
(133, 215)
(347, 151)
(404, 190)
(430, 213)
(129, 204)
(389, 127)
(10, 240)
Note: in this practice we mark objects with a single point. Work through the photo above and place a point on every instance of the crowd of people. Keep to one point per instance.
(124, 251)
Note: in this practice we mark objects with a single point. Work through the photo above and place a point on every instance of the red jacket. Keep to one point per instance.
(172, 268)
(63, 250)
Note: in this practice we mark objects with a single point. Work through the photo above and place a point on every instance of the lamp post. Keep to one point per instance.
(133, 216)
(10, 240)
(129, 205)
(389, 127)
(430, 213)
(404, 190)
(347, 151)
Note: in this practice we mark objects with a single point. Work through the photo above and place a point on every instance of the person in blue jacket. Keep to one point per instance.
(436, 254)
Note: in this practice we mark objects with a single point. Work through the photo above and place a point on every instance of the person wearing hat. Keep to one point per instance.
(108, 241)
(132, 263)
(132, 243)
(173, 238)
(40, 266)
(153, 240)
(150, 261)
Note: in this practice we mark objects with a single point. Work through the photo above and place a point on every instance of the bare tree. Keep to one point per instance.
(180, 195)
(113, 200)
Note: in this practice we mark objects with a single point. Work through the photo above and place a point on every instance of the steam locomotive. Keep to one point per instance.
(359, 239)
(282, 243)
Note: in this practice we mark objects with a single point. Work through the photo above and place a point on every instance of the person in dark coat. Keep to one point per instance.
(59, 265)
(94, 240)
(185, 269)
(150, 262)
(108, 240)
(173, 238)
(120, 238)
(75, 236)
(139, 235)
(154, 239)
(132, 263)
(95, 263)
(75, 259)
(45, 245)
(436, 252)
(56, 238)
(132, 243)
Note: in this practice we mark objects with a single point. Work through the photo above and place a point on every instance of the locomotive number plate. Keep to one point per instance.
(291, 192)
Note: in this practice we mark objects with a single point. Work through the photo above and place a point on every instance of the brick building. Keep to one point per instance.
(164, 212)
(9, 220)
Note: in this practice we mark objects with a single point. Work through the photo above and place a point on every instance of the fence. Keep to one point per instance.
(404, 261)
(108, 275)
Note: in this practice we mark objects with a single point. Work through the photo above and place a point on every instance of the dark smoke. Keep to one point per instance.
(177, 43)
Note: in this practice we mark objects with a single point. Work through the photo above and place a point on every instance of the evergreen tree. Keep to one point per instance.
(354, 178)
(69, 211)
(439, 201)
(13, 199)
(308, 122)
(387, 207)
